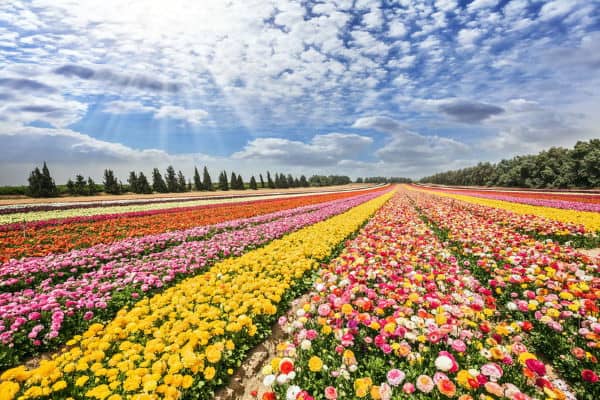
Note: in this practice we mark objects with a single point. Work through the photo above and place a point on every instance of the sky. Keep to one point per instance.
(353, 87)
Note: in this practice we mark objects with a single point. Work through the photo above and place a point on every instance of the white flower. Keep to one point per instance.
(305, 344)
(292, 392)
(443, 363)
(269, 380)
(352, 368)
(282, 379)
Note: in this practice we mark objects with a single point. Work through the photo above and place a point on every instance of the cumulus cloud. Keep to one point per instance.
(193, 116)
(327, 149)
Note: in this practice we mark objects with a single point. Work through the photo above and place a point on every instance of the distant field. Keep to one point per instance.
(12, 199)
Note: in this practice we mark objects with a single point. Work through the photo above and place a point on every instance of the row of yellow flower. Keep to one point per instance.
(590, 220)
(189, 337)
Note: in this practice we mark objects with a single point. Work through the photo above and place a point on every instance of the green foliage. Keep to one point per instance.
(556, 167)
(158, 183)
(197, 180)
(262, 181)
(111, 185)
(322, 180)
(253, 184)
(181, 186)
(270, 182)
(223, 184)
(41, 183)
(383, 179)
(171, 180)
(206, 181)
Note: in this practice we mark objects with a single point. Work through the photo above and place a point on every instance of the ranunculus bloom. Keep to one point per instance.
(286, 366)
(425, 383)
(589, 376)
(408, 388)
(395, 377)
(446, 387)
(330, 393)
(536, 366)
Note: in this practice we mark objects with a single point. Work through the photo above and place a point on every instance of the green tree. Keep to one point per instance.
(253, 184)
(233, 181)
(70, 187)
(142, 184)
(240, 183)
(181, 187)
(262, 181)
(133, 182)
(206, 181)
(158, 183)
(171, 180)
(197, 181)
(80, 185)
(303, 181)
(223, 184)
(270, 182)
(92, 189)
(111, 185)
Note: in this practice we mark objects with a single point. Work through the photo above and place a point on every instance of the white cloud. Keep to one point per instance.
(468, 37)
(557, 8)
(191, 116)
(126, 107)
(327, 149)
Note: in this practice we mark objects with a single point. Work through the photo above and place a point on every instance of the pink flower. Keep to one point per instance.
(459, 346)
(425, 383)
(88, 315)
(395, 377)
(330, 393)
(408, 388)
(536, 366)
(324, 310)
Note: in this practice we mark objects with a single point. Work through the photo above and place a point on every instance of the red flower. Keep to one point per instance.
(269, 396)
(536, 366)
(527, 326)
(589, 376)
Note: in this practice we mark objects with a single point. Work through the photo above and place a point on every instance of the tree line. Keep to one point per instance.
(383, 179)
(41, 184)
(556, 167)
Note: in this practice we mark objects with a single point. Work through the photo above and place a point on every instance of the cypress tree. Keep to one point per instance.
(253, 185)
(111, 185)
(180, 182)
(133, 182)
(143, 185)
(270, 182)
(233, 181)
(223, 185)
(197, 181)
(158, 183)
(171, 180)
(262, 181)
(80, 188)
(296, 182)
(206, 181)
(48, 186)
(290, 181)
(35, 183)
(70, 187)
(303, 181)
(240, 183)
(92, 189)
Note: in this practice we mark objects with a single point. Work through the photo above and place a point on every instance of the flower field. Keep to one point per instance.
(411, 293)
(51, 236)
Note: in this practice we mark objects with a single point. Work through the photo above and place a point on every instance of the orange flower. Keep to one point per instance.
(446, 387)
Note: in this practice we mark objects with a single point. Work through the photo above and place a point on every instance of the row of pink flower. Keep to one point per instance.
(396, 315)
(564, 204)
(556, 286)
(48, 305)
(19, 273)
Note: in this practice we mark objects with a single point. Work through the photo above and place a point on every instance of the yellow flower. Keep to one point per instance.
(132, 383)
(209, 373)
(315, 364)
(60, 385)
(8, 390)
(213, 354)
(99, 392)
(187, 381)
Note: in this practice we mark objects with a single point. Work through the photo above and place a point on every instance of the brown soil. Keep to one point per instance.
(248, 377)
(8, 200)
